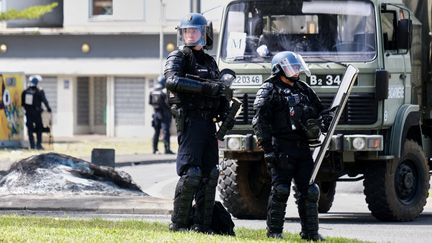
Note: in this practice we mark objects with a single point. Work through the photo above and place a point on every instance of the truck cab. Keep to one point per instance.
(386, 125)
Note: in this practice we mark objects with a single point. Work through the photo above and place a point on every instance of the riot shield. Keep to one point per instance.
(337, 105)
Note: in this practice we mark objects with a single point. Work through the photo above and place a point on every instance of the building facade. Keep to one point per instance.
(98, 58)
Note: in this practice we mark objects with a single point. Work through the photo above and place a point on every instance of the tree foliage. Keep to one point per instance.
(34, 12)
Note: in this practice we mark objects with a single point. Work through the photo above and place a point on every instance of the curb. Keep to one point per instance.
(143, 162)
(79, 203)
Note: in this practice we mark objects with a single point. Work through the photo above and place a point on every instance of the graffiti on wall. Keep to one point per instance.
(11, 113)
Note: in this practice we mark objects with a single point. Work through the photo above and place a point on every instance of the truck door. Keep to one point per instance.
(396, 62)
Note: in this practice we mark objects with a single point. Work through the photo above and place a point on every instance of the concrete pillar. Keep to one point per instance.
(65, 106)
(110, 113)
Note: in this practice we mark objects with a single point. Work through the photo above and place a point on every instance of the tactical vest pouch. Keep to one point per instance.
(156, 99)
(180, 117)
(28, 99)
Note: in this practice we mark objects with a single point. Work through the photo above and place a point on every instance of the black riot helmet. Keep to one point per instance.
(192, 31)
(160, 83)
(161, 80)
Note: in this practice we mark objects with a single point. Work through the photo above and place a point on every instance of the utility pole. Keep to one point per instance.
(195, 6)
(161, 35)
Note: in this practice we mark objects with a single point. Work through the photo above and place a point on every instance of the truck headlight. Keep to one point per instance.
(359, 143)
(234, 143)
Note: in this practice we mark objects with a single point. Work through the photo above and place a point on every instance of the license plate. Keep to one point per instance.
(325, 80)
(248, 80)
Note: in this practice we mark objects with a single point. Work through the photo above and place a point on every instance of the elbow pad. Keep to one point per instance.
(184, 85)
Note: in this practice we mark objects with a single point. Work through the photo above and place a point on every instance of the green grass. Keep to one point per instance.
(40, 229)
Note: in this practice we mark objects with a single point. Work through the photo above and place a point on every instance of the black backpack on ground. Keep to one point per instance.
(222, 223)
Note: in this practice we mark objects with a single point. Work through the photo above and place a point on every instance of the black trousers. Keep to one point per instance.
(161, 122)
(295, 162)
(34, 125)
(198, 145)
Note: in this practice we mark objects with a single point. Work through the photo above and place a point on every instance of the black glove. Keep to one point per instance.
(326, 119)
(270, 159)
(313, 129)
(213, 89)
(49, 110)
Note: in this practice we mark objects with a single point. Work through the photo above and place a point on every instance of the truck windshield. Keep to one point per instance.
(319, 30)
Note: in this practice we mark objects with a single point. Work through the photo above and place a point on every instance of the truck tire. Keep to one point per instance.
(327, 193)
(244, 188)
(397, 191)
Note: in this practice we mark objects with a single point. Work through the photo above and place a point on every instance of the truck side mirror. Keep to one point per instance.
(209, 36)
(404, 34)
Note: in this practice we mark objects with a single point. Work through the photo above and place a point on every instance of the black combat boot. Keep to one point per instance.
(274, 235)
(31, 140)
(167, 149)
(39, 140)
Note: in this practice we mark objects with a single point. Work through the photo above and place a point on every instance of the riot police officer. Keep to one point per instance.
(196, 105)
(287, 112)
(161, 118)
(32, 99)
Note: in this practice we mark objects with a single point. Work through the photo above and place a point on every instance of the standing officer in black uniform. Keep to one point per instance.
(196, 105)
(162, 115)
(286, 119)
(32, 99)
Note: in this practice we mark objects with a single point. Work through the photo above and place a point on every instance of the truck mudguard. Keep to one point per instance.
(407, 116)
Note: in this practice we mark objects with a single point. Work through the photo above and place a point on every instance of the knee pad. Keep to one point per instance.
(192, 177)
(281, 190)
(213, 177)
(313, 193)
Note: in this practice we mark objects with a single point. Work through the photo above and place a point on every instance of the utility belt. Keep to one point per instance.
(206, 115)
(180, 114)
(289, 142)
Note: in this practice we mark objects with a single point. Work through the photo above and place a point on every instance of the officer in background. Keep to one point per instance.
(287, 112)
(32, 99)
(196, 106)
(161, 117)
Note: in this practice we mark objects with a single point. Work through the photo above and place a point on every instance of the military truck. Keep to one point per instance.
(384, 134)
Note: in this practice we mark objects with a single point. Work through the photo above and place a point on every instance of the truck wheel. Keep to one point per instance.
(398, 191)
(244, 187)
(327, 193)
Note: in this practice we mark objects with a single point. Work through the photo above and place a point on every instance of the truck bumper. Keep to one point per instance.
(339, 143)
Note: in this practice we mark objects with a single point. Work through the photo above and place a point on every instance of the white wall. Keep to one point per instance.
(137, 15)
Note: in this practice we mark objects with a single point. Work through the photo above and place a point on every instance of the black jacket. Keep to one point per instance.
(32, 99)
(282, 111)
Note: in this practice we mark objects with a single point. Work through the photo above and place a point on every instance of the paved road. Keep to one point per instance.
(349, 216)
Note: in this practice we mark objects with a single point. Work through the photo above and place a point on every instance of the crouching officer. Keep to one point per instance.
(287, 110)
(32, 99)
(161, 116)
(195, 105)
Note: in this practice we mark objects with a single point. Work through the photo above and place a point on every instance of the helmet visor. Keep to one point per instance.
(191, 36)
(294, 69)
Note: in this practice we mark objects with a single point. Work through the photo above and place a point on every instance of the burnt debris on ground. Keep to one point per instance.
(58, 173)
